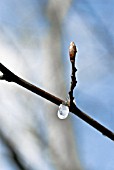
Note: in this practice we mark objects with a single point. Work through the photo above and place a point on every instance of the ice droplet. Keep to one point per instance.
(1, 73)
(63, 111)
(74, 101)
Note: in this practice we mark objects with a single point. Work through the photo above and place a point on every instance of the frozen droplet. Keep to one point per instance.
(1, 75)
(63, 111)
(74, 101)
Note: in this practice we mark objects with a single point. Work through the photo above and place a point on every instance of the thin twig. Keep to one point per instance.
(73, 83)
(11, 77)
(72, 54)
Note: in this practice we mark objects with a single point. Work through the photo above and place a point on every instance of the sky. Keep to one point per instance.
(90, 25)
(93, 29)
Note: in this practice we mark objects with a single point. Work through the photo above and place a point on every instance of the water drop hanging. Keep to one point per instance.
(63, 111)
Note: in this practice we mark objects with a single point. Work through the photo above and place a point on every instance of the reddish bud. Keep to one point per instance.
(72, 51)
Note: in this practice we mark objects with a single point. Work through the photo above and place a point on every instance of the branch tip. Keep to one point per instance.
(72, 51)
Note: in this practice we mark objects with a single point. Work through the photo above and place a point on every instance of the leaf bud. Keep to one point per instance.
(72, 51)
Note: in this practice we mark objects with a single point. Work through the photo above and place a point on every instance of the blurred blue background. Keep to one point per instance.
(35, 36)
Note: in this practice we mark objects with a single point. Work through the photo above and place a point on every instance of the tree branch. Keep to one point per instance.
(11, 77)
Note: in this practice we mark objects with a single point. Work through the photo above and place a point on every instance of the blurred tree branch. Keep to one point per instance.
(11, 77)
(14, 152)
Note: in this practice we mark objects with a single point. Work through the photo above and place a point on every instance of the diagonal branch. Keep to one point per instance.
(11, 77)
